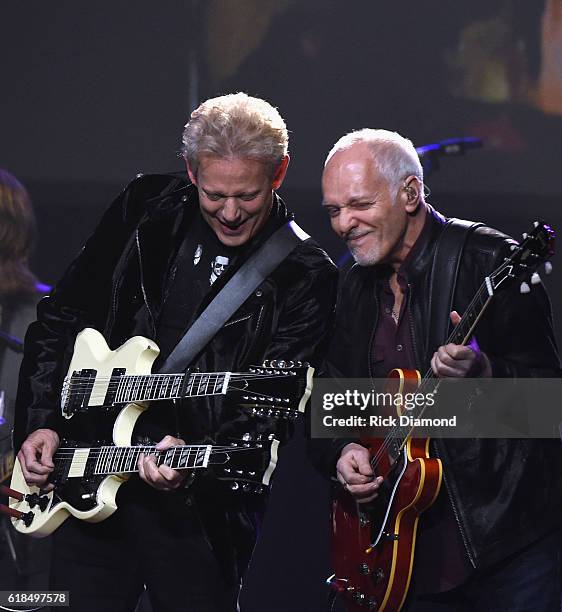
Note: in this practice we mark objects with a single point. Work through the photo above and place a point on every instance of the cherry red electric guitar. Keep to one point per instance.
(373, 544)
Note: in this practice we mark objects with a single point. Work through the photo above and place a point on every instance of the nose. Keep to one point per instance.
(230, 210)
(346, 220)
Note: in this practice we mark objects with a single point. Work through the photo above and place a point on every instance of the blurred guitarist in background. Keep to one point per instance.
(145, 271)
(489, 542)
(24, 563)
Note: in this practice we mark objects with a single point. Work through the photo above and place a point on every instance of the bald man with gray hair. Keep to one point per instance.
(490, 540)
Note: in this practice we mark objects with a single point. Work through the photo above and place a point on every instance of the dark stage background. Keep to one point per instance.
(91, 95)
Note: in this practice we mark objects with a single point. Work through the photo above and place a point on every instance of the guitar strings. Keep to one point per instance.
(199, 447)
(195, 376)
(83, 383)
(392, 437)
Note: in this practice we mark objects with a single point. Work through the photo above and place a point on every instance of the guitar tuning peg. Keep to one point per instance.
(525, 235)
(536, 224)
(525, 288)
(535, 279)
(514, 247)
(547, 267)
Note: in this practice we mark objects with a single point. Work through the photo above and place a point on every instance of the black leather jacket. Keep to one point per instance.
(504, 493)
(126, 264)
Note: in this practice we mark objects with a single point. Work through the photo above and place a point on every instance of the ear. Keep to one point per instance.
(192, 176)
(280, 173)
(412, 191)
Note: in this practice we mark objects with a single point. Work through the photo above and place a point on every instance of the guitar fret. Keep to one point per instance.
(149, 385)
(131, 461)
(114, 460)
(165, 387)
(177, 380)
(122, 459)
(130, 380)
(184, 457)
(190, 384)
(119, 394)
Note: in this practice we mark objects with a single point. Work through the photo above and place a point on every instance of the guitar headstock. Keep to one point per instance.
(247, 463)
(277, 389)
(535, 249)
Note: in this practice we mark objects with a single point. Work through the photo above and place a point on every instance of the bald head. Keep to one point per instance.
(377, 218)
(393, 155)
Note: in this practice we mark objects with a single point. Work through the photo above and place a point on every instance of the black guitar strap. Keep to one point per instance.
(236, 291)
(444, 273)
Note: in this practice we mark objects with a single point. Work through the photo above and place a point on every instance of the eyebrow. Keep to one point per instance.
(351, 202)
(219, 194)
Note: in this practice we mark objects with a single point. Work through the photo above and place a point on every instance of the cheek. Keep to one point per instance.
(335, 224)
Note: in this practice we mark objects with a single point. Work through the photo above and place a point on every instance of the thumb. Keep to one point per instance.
(363, 464)
(455, 317)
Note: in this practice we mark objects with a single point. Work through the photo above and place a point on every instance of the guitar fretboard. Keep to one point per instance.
(124, 459)
(169, 386)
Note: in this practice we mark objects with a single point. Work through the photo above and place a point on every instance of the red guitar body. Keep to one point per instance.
(373, 544)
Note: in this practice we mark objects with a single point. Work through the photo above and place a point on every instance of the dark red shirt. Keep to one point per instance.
(440, 560)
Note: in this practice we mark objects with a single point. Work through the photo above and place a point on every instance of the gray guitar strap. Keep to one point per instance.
(444, 273)
(236, 291)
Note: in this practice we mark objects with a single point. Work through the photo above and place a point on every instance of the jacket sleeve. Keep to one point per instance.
(324, 453)
(305, 320)
(516, 332)
(80, 299)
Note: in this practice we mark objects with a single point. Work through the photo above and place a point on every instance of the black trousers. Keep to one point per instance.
(528, 581)
(154, 539)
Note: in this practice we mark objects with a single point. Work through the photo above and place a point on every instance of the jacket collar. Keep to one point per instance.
(420, 256)
(421, 253)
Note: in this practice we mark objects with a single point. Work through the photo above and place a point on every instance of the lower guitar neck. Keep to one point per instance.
(105, 460)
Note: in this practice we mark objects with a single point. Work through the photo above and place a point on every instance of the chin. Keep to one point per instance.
(365, 259)
(233, 241)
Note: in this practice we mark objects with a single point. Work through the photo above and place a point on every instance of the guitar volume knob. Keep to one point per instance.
(378, 575)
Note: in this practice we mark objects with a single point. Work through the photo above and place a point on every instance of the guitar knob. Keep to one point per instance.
(246, 487)
(378, 575)
(525, 288)
(364, 569)
(535, 278)
(372, 603)
(548, 267)
(234, 486)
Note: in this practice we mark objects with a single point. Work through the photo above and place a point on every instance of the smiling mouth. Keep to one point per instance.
(357, 237)
(231, 229)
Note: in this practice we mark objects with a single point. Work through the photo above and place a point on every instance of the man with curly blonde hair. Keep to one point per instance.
(146, 271)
